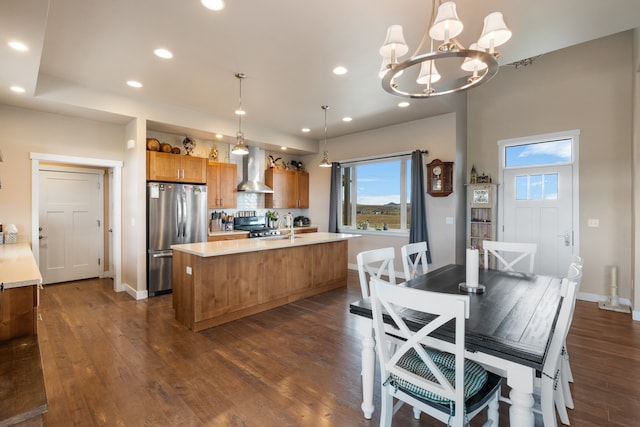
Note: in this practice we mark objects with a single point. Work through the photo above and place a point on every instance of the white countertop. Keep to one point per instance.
(228, 247)
(18, 266)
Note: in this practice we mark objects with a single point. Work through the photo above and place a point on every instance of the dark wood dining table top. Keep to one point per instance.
(513, 319)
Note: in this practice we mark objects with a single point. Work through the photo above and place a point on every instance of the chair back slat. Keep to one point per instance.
(517, 252)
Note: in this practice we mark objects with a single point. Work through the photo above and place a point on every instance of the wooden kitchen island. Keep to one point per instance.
(216, 282)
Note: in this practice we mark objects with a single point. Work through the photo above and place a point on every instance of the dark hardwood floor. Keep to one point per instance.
(112, 361)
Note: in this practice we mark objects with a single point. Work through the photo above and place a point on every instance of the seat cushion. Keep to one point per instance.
(475, 376)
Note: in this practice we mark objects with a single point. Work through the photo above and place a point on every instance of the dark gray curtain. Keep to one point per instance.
(418, 231)
(334, 195)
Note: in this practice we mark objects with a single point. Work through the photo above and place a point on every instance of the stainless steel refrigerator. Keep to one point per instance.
(176, 213)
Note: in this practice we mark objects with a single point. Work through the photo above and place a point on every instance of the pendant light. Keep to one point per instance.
(240, 147)
(325, 163)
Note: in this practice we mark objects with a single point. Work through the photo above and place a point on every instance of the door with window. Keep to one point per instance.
(538, 206)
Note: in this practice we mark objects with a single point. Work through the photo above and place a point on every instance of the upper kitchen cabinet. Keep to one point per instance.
(290, 189)
(221, 185)
(176, 168)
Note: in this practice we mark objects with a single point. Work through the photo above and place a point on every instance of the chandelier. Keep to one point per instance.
(325, 163)
(240, 147)
(478, 63)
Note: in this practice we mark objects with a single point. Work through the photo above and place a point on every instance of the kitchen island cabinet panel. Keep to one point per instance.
(211, 290)
(217, 299)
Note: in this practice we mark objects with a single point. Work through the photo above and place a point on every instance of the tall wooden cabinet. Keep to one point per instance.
(290, 189)
(481, 215)
(176, 168)
(221, 185)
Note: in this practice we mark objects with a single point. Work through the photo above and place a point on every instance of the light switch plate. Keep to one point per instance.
(593, 222)
(189, 270)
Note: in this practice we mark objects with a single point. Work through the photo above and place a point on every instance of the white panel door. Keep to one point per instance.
(69, 226)
(538, 208)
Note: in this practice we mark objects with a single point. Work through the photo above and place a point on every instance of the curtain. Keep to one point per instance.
(418, 230)
(334, 197)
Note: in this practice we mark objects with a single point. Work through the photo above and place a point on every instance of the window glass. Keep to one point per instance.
(376, 195)
(541, 153)
(537, 187)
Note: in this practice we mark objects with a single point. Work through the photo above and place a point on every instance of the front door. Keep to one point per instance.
(537, 202)
(70, 225)
(529, 216)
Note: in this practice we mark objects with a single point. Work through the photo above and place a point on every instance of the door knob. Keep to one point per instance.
(567, 238)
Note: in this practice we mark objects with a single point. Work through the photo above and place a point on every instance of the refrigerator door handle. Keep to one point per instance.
(178, 216)
(163, 255)
(184, 215)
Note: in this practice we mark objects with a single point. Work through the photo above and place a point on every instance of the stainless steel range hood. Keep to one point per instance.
(253, 165)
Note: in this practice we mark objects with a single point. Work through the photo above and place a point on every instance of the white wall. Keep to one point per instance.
(25, 131)
(438, 136)
(585, 87)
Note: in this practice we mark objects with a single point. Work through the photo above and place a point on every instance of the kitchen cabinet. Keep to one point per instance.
(221, 185)
(290, 189)
(176, 168)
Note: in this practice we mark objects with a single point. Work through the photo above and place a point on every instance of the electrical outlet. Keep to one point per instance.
(593, 222)
(189, 270)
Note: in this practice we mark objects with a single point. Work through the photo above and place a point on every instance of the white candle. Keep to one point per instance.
(472, 267)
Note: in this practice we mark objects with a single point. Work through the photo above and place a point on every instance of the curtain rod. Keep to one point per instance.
(389, 156)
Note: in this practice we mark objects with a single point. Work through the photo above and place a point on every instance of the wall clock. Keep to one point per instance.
(439, 178)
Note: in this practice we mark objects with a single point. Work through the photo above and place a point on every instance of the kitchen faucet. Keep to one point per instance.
(289, 223)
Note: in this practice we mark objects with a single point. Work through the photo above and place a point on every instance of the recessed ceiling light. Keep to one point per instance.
(163, 53)
(306, 130)
(213, 4)
(17, 89)
(283, 148)
(241, 112)
(346, 119)
(340, 70)
(219, 135)
(403, 104)
(134, 83)
(18, 46)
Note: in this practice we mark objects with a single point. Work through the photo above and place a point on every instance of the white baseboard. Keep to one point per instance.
(137, 295)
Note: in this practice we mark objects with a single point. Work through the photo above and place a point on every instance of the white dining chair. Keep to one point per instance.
(551, 391)
(566, 374)
(441, 383)
(379, 264)
(509, 254)
(376, 263)
(414, 259)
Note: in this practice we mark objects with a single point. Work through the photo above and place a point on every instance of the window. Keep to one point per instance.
(537, 187)
(376, 194)
(539, 153)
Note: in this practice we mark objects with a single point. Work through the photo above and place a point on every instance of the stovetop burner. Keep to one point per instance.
(256, 226)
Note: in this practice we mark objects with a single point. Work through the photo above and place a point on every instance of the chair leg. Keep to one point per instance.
(558, 398)
(547, 403)
(564, 385)
(566, 367)
(386, 410)
(416, 413)
(493, 417)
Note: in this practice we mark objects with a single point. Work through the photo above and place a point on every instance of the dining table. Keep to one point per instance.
(508, 331)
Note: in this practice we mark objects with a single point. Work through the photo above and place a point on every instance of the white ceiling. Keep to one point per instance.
(287, 49)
